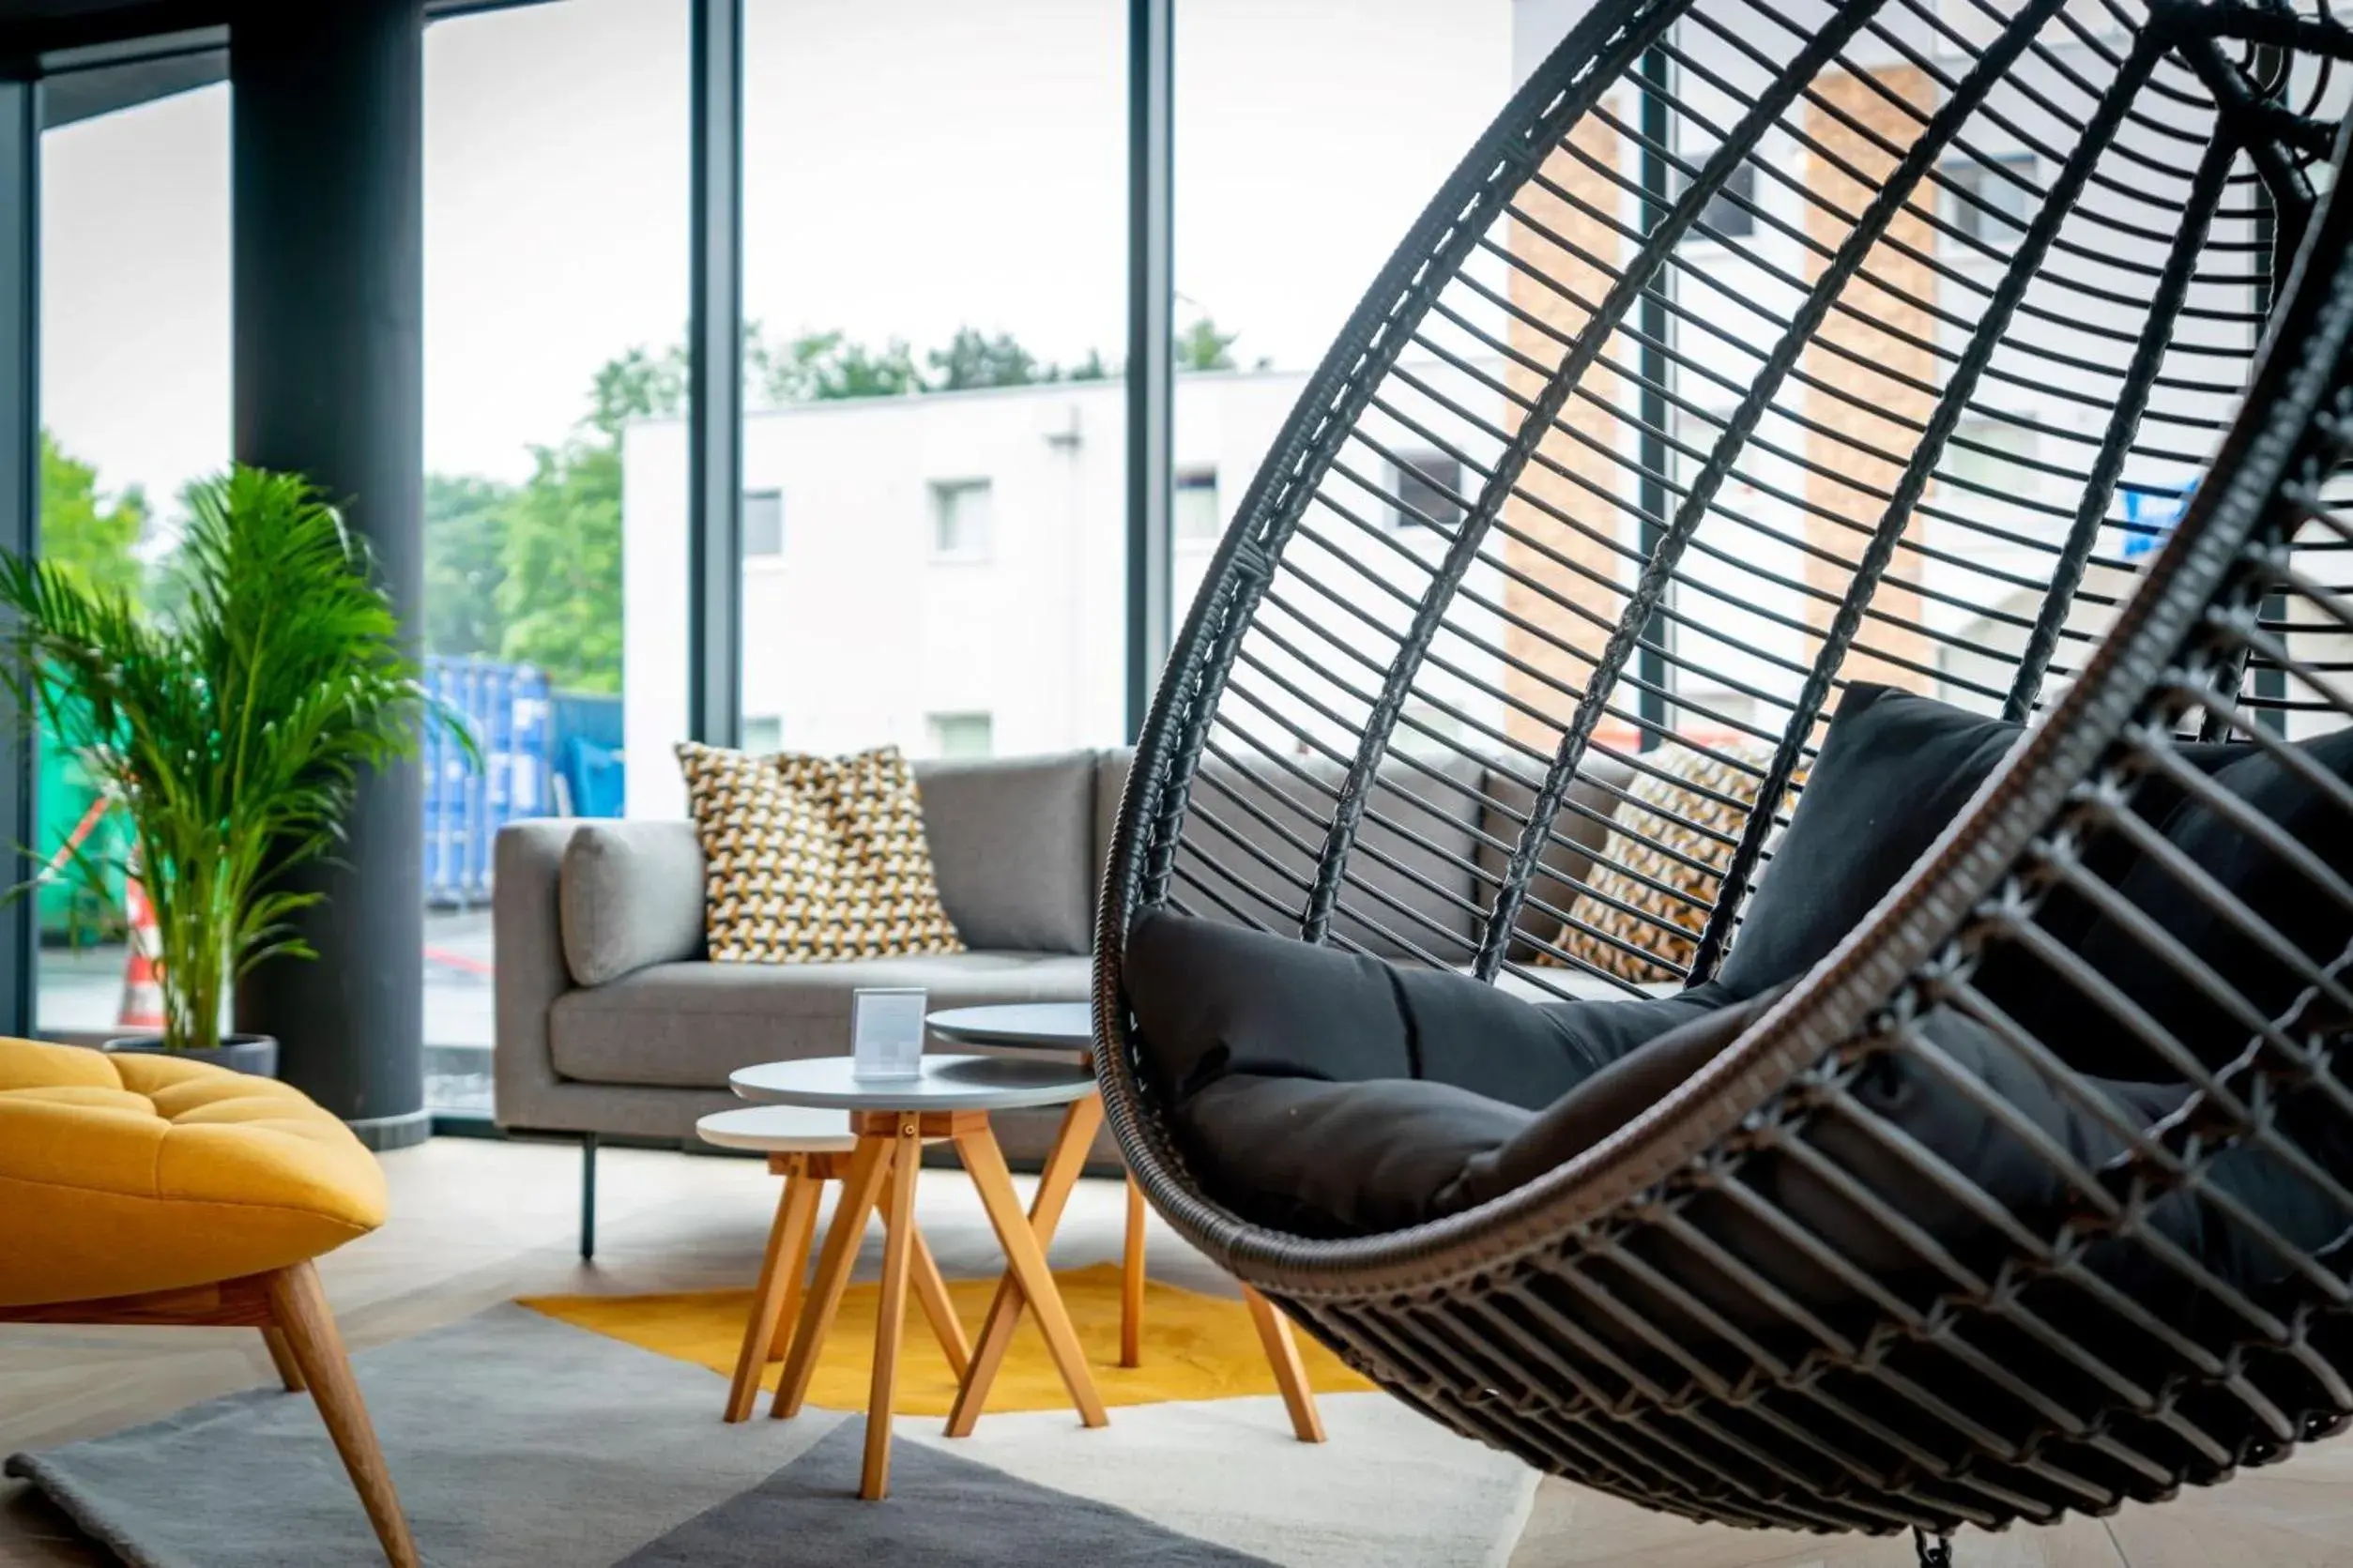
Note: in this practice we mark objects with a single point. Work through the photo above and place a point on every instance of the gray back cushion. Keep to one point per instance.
(1013, 843)
(629, 894)
(1264, 833)
(1569, 850)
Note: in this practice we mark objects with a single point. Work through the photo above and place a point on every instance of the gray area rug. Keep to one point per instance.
(518, 1441)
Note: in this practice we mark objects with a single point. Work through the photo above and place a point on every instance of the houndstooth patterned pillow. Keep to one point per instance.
(813, 859)
(1658, 924)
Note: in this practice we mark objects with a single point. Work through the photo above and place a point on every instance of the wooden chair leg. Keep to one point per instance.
(1062, 1166)
(890, 1313)
(1132, 1281)
(1025, 1259)
(1291, 1373)
(781, 1270)
(299, 1306)
(867, 1168)
(282, 1357)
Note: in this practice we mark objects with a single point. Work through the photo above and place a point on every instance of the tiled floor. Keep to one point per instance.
(476, 1223)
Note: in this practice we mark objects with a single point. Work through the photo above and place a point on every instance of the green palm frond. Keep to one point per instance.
(236, 734)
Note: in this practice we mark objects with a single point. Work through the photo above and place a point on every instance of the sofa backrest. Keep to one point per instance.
(1013, 843)
(1019, 845)
(1473, 811)
(1410, 886)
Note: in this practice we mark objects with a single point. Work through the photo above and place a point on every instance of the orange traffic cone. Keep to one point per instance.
(142, 985)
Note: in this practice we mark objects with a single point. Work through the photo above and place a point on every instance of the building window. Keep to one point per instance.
(763, 524)
(1989, 200)
(1724, 215)
(961, 735)
(961, 520)
(1427, 485)
(1193, 514)
(764, 734)
(1994, 455)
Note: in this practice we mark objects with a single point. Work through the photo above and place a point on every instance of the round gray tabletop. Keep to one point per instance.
(1046, 1026)
(947, 1084)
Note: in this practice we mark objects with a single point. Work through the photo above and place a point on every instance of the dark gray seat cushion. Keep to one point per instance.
(688, 1025)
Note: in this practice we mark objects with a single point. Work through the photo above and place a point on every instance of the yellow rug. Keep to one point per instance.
(1195, 1346)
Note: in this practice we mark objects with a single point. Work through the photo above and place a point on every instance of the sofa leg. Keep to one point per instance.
(588, 1197)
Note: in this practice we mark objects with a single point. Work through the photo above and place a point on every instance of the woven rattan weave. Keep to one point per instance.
(1999, 351)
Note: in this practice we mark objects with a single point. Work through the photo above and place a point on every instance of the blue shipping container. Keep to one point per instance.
(507, 708)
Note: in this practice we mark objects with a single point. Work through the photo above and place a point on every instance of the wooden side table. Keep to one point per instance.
(808, 1149)
(1069, 1027)
(891, 1119)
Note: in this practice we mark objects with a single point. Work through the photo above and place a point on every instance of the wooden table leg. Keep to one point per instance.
(1291, 1373)
(1062, 1166)
(299, 1306)
(890, 1320)
(796, 1255)
(867, 1168)
(774, 1296)
(1025, 1260)
(930, 1289)
(1132, 1281)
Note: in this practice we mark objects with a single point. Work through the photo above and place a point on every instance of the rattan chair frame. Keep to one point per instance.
(1502, 1321)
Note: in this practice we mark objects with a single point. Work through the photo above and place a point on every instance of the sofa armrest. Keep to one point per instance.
(529, 973)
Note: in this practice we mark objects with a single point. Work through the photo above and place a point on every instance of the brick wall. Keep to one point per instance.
(1882, 354)
(1562, 644)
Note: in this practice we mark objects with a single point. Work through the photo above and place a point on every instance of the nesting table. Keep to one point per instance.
(890, 1120)
(1069, 1028)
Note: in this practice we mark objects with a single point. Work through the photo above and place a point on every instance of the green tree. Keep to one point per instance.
(851, 369)
(973, 358)
(560, 599)
(640, 384)
(466, 534)
(88, 534)
(1202, 347)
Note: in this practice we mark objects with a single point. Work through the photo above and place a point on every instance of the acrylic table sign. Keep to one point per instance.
(887, 1032)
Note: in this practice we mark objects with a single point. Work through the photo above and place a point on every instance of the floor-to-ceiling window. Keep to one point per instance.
(933, 443)
(557, 215)
(135, 406)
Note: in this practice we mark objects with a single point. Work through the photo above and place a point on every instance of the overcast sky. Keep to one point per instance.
(912, 165)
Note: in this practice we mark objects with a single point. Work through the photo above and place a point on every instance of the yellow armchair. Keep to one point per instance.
(149, 1189)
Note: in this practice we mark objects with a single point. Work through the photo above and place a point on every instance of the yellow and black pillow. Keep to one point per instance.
(813, 859)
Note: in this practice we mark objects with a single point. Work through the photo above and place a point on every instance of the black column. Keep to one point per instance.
(714, 378)
(329, 370)
(1150, 343)
(19, 513)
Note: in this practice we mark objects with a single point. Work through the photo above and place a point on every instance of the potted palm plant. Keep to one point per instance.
(231, 732)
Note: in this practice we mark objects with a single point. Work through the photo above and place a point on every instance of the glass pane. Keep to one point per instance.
(134, 404)
(556, 291)
(1194, 517)
(1283, 220)
(763, 524)
(931, 384)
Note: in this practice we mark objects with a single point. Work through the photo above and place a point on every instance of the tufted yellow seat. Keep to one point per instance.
(122, 1175)
(149, 1189)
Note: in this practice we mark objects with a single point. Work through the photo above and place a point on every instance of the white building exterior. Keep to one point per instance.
(944, 572)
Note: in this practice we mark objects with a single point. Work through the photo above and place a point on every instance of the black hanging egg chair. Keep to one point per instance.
(1741, 879)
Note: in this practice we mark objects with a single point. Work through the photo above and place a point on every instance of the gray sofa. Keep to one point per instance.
(611, 1022)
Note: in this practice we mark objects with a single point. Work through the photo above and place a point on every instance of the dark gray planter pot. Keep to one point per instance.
(256, 1054)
